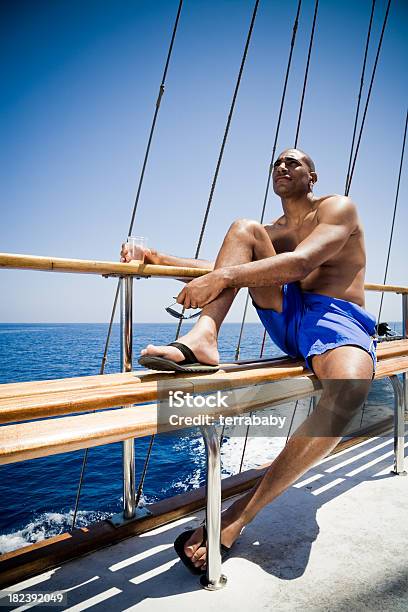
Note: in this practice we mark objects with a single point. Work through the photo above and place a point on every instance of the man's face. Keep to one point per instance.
(291, 174)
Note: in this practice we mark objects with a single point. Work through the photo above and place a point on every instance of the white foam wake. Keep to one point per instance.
(46, 525)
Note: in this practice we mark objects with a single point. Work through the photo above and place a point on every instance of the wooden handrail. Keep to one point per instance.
(86, 266)
(111, 268)
(389, 288)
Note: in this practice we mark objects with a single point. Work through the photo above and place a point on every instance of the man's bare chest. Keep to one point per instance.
(286, 239)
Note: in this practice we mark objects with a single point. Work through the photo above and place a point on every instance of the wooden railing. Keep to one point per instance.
(110, 268)
(104, 268)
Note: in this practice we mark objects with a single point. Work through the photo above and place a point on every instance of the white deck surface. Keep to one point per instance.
(336, 540)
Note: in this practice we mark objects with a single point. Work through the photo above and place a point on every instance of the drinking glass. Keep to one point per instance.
(136, 247)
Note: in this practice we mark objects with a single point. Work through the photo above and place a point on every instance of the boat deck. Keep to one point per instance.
(336, 540)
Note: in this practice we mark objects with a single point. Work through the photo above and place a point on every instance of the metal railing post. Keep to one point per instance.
(405, 335)
(213, 579)
(399, 426)
(405, 315)
(126, 335)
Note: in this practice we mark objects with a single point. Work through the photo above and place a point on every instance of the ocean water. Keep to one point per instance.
(37, 497)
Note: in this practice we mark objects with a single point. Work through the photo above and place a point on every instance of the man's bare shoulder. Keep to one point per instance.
(336, 209)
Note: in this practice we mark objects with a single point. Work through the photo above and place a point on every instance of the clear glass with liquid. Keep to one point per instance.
(136, 246)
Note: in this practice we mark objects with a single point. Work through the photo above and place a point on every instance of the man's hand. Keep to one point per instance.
(201, 291)
(150, 255)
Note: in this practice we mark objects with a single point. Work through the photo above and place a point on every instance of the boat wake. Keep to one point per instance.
(46, 525)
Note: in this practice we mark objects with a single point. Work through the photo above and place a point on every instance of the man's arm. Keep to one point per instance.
(337, 220)
(163, 259)
(152, 256)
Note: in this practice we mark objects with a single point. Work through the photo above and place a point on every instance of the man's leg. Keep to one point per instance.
(245, 241)
(345, 373)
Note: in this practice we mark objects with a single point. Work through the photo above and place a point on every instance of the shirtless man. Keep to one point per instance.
(305, 274)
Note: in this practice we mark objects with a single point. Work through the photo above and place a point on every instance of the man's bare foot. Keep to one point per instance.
(203, 345)
(231, 527)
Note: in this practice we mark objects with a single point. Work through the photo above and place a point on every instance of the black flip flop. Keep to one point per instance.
(189, 364)
(180, 542)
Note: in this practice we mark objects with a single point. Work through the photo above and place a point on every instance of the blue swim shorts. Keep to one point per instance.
(311, 324)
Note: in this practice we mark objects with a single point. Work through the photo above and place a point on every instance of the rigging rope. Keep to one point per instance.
(224, 140)
(209, 202)
(359, 95)
(347, 190)
(291, 421)
(85, 457)
(227, 127)
(245, 444)
(275, 141)
(306, 72)
(132, 219)
(394, 214)
(309, 54)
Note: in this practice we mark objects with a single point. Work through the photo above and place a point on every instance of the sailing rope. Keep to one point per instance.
(85, 457)
(224, 140)
(207, 210)
(245, 444)
(268, 182)
(394, 214)
(309, 54)
(306, 72)
(359, 96)
(351, 172)
(132, 219)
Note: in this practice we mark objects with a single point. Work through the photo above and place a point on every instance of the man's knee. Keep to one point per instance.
(339, 403)
(245, 226)
(345, 363)
(344, 399)
(349, 394)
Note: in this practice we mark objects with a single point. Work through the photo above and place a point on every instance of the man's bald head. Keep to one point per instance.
(299, 154)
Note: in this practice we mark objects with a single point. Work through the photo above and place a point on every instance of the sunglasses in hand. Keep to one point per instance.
(180, 315)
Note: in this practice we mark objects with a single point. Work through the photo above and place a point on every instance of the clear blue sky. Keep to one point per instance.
(80, 81)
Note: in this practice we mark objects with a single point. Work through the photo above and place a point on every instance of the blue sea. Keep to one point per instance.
(37, 497)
